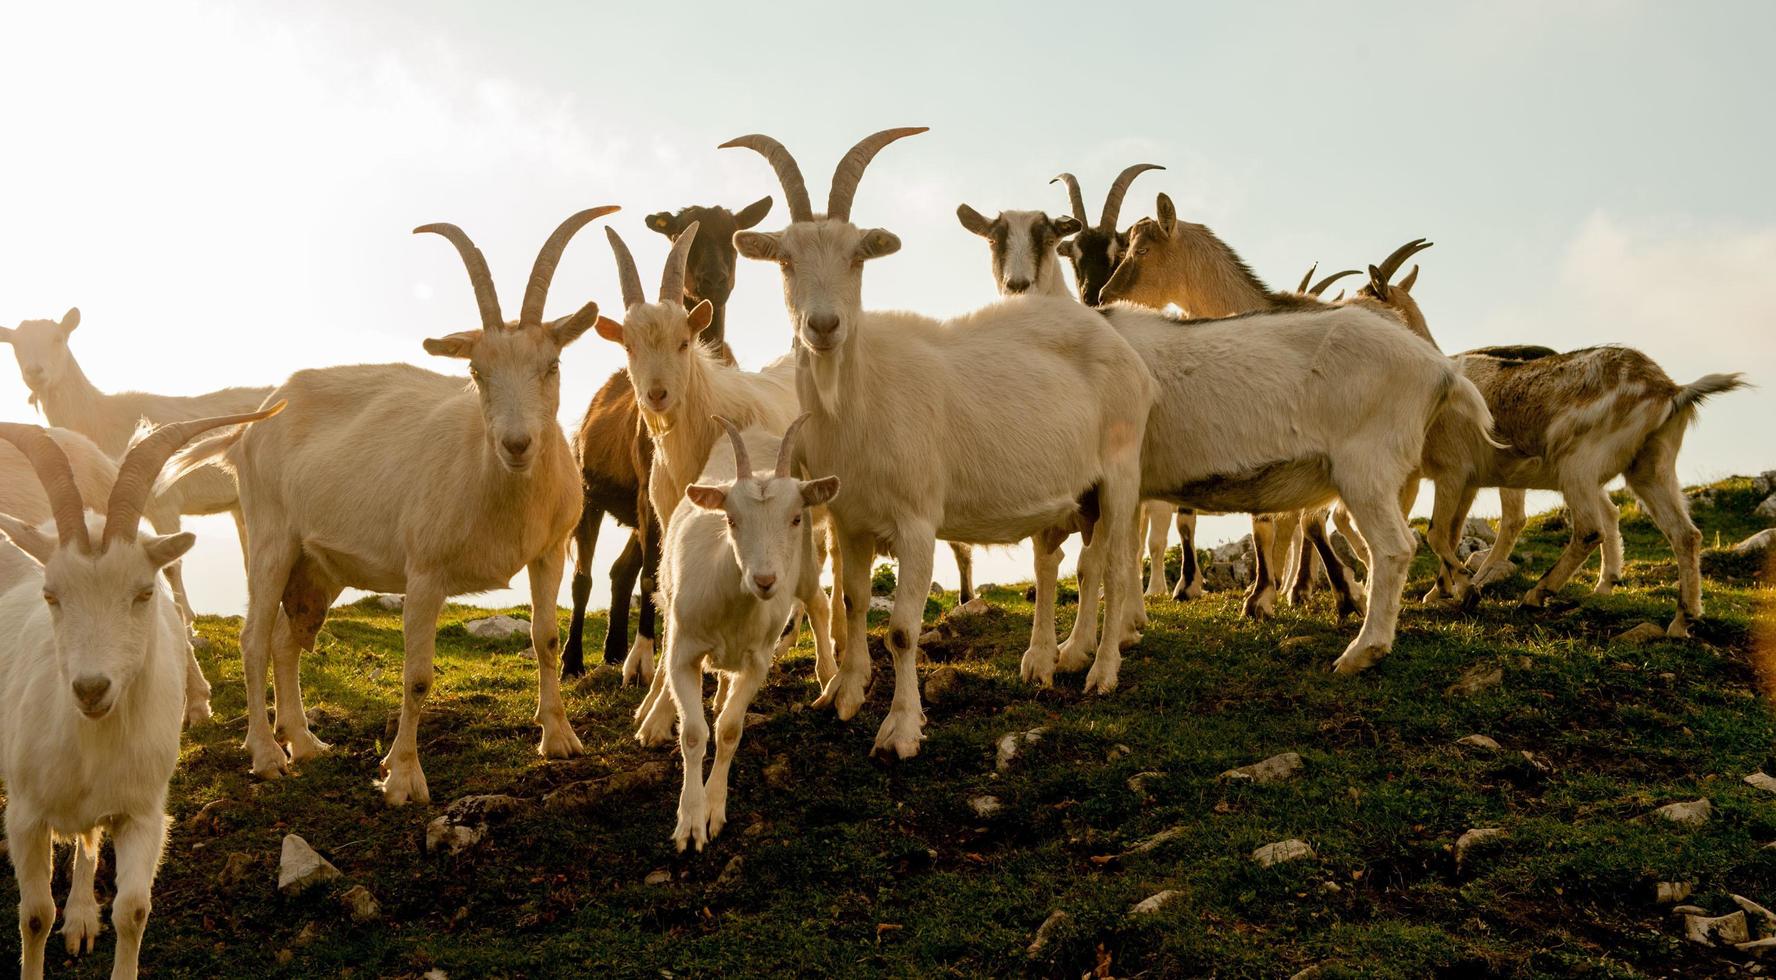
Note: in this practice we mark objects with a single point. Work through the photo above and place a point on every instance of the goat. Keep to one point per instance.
(391, 478)
(615, 453)
(94, 689)
(1095, 249)
(70, 401)
(1020, 418)
(738, 555)
(21, 495)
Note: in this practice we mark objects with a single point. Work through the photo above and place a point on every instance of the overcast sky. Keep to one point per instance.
(226, 190)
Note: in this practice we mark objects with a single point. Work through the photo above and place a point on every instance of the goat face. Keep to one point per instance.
(657, 339)
(1094, 253)
(709, 268)
(822, 262)
(103, 607)
(1021, 242)
(41, 347)
(1149, 247)
(517, 373)
(765, 517)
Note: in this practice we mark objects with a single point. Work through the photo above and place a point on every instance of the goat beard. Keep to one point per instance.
(657, 425)
(824, 369)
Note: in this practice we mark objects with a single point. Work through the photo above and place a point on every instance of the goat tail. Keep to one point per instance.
(209, 451)
(1463, 402)
(1693, 394)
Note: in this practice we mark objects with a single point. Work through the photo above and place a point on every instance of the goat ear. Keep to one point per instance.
(163, 550)
(1068, 248)
(1405, 285)
(760, 245)
(753, 213)
(1168, 215)
(70, 320)
(455, 345)
(817, 492)
(660, 221)
(700, 316)
(876, 243)
(973, 221)
(5, 335)
(610, 329)
(706, 497)
(34, 543)
(569, 328)
(1065, 225)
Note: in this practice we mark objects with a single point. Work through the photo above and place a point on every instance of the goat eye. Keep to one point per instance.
(1141, 251)
(52, 598)
(732, 523)
(684, 345)
(145, 595)
(796, 521)
(554, 367)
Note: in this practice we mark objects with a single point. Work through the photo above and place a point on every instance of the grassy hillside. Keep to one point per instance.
(833, 864)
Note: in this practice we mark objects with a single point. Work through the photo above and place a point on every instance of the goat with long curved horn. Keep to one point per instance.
(742, 463)
(485, 297)
(1113, 200)
(1392, 263)
(672, 278)
(1075, 197)
(57, 477)
(1320, 287)
(786, 448)
(141, 466)
(629, 279)
(851, 167)
(795, 189)
(543, 271)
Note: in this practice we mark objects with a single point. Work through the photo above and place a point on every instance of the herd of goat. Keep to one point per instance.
(880, 432)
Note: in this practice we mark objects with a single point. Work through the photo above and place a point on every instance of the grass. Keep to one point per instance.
(847, 868)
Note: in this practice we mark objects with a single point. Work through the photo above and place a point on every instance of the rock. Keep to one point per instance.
(1468, 547)
(392, 603)
(1688, 910)
(285, 957)
(1764, 482)
(1757, 947)
(943, 684)
(1669, 892)
(1117, 751)
(498, 627)
(1694, 813)
(1282, 851)
(235, 870)
(929, 637)
(309, 933)
(1278, 768)
(300, 868)
(1153, 903)
(591, 792)
(1232, 550)
(441, 834)
(881, 603)
(777, 774)
(1479, 527)
(1483, 742)
(973, 607)
(1477, 837)
(1762, 781)
(660, 877)
(1480, 677)
(464, 823)
(1728, 928)
(1758, 542)
(1153, 841)
(1644, 633)
(985, 807)
(1009, 746)
(362, 905)
(1766, 509)
(1045, 933)
(731, 873)
(205, 820)
(434, 975)
(1311, 973)
(200, 642)
(1140, 782)
(936, 589)
(1226, 576)
(1761, 918)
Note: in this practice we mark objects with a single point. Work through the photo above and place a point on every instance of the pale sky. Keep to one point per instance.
(226, 190)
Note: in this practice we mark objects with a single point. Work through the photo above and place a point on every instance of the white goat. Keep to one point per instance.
(93, 690)
(739, 554)
(394, 479)
(21, 495)
(1022, 417)
(70, 401)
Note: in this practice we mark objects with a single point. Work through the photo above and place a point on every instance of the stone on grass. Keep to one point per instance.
(1766, 509)
(1693, 813)
(205, 819)
(591, 792)
(300, 868)
(985, 807)
(1010, 745)
(972, 607)
(1282, 852)
(498, 627)
(731, 873)
(1762, 919)
(930, 636)
(1761, 541)
(1477, 837)
(778, 775)
(464, 822)
(1762, 780)
(1643, 633)
(1757, 947)
(1764, 482)
(392, 603)
(881, 603)
(1729, 928)
(1479, 527)
(1140, 783)
(442, 835)
(235, 870)
(1153, 841)
(942, 684)
(362, 905)
(1278, 768)
(1045, 933)
(1153, 903)
(660, 877)
(1670, 892)
(1485, 743)
(1479, 677)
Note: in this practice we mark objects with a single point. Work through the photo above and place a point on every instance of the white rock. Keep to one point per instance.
(435, 974)
(972, 607)
(1764, 482)
(1479, 527)
(1009, 745)
(1466, 843)
(1232, 550)
(1766, 509)
(1282, 851)
(1483, 742)
(1149, 843)
(1153, 903)
(361, 904)
(300, 868)
(1669, 892)
(1278, 768)
(498, 627)
(659, 877)
(942, 684)
(1762, 918)
(454, 837)
(392, 603)
(1045, 932)
(985, 807)
(1728, 928)
(1760, 541)
(1762, 781)
(1693, 813)
(1757, 947)
(881, 603)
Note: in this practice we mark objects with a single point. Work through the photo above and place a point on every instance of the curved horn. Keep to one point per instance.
(786, 448)
(1113, 200)
(850, 169)
(141, 466)
(1320, 287)
(1307, 277)
(626, 274)
(479, 277)
(742, 465)
(788, 174)
(1075, 197)
(537, 290)
(672, 279)
(1392, 263)
(57, 478)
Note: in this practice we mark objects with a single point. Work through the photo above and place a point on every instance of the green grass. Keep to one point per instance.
(860, 870)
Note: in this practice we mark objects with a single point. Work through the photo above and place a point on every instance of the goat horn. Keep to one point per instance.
(1392, 263)
(1113, 200)
(57, 477)
(786, 448)
(1307, 277)
(479, 277)
(141, 466)
(537, 290)
(626, 274)
(742, 464)
(1075, 197)
(788, 174)
(1320, 287)
(672, 280)
(850, 169)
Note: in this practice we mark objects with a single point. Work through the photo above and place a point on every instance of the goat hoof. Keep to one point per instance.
(403, 784)
(269, 761)
(1038, 666)
(560, 742)
(638, 666)
(844, 698)
(303, 745)
(80, 927)
(898, 737)
(1102, 678)
(1357, 659)
(197, 712)
(1679, 628)
(1533, 599)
